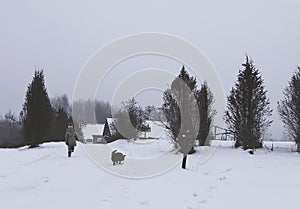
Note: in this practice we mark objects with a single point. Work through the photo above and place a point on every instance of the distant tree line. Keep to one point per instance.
(42, 119)
(92, 112)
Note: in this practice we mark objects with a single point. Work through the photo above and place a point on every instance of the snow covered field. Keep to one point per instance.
(45, 178)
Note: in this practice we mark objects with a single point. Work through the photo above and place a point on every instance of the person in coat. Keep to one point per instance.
(70, 139)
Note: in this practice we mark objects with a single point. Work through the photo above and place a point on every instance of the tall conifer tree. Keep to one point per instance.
(37, 111)
(248, 108)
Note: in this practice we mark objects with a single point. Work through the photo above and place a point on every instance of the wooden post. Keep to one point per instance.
(183, 165)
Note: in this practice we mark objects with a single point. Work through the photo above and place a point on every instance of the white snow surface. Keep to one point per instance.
(92, 129)
(143, 148)
(45, 178)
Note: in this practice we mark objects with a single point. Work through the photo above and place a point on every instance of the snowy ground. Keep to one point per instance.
(45, 178)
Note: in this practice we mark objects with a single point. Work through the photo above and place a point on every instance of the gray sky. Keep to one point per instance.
(59, 36)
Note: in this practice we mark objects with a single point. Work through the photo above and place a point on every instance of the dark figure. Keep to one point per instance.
(117, 157)
(70, 138)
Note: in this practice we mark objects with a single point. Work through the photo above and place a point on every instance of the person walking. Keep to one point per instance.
(70, 139)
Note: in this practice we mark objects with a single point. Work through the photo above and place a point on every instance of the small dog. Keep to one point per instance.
(117, 157)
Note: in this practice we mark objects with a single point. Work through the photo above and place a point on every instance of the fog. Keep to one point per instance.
(60, 36)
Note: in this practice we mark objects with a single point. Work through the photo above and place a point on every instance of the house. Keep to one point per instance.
(154, 130)
(109, 133)
(93, 133)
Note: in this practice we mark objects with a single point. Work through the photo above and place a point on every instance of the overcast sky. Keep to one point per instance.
(59, 36)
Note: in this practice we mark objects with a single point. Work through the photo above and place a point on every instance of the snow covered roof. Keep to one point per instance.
(92, 129)
(157, 128)
(110, 120)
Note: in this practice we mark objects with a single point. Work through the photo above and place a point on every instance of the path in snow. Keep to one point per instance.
(45, 178)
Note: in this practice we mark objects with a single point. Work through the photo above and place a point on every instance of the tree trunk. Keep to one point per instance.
(183, 165)
(298, 148)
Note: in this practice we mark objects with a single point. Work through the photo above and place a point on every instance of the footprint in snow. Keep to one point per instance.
(222, 178)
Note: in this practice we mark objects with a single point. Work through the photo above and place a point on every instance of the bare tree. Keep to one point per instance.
(289, 108)
(61, 102)
(10, 117)
(10, 131)
(129, 120)
(207, 112)
(84, 111)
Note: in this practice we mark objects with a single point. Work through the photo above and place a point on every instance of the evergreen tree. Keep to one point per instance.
(59, 125)
(37, 112)
(61, 117)
(182, 112)
(248, 108)
(206, 111)
(175, 97)
(289, 108)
